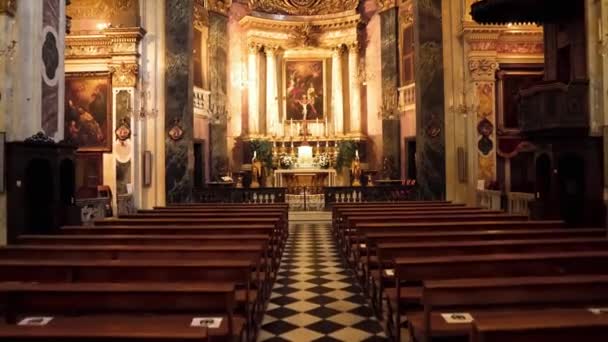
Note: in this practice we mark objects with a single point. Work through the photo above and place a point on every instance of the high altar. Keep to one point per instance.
(303, 84)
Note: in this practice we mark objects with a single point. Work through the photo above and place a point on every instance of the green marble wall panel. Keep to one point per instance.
(179, 67)
(391, 132)
(430, 113)
(218, 81)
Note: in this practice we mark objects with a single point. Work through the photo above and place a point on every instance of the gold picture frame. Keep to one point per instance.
(301, 78)
(88, 111)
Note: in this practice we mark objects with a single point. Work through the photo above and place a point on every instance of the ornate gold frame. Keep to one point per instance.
(284, 84)
(109, 114)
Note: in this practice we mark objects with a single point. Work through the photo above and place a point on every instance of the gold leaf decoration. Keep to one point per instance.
(303, 7)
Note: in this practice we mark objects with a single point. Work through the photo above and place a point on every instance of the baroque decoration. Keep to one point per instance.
(8, 6)
(176, 132)
(123, 131)
(303, 7)
(124, 75)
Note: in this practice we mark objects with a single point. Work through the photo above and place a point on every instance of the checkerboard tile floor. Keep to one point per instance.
(315, 298)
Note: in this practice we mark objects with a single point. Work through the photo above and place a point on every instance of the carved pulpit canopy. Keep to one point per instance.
(522, 11)
(303, 7)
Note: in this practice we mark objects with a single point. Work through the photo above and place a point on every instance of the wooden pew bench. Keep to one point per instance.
(121, 303)
(481, 296)
(256, 254)
(153, 271)
(347, 236)
(419, 269)
(540, 326)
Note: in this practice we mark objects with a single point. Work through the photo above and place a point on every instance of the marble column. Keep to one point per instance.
(254, 89)
(272, 91)
(354, 89)
(337, 93)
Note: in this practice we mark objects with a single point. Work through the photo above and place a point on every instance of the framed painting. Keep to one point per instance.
(305, 89)
(88, 111)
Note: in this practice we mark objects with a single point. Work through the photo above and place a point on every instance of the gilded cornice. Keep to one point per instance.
(503, 40)
(111, 42)
(299, 34)
(218, 6)
(303, 7)
(320, 23)
(8, 7)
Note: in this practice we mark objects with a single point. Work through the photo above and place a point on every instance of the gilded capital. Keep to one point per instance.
(271, 50)
(253, 47)
(8, 7)
(219, 6)
(337, 50)
(386, 4)
(124, 75)
(353, 47)
(483, 69)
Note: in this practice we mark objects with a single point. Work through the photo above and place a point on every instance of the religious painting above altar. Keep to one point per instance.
(305, 90)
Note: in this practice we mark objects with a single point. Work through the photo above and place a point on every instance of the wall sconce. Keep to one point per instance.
(145, 95)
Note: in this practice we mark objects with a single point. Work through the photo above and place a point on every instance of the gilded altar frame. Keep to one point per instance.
(284, 84)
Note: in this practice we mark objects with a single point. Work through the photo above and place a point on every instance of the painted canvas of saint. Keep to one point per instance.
(305, 90)
(88, 113)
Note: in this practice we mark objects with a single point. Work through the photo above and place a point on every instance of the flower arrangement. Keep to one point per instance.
(323, 160)
(286, 161)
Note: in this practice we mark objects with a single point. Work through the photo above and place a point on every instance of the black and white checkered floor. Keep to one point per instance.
(315, 297)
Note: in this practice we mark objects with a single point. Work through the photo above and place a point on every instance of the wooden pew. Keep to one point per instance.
(108, 328)
(481, 296)
(349, 229)
(161, 300)
(540, 326)
(490, 266)
(256, 254)
(143, 239)
(388, 252)
(153, 271)
(357, 235)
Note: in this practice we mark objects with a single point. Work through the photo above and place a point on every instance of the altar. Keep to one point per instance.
(305, 177)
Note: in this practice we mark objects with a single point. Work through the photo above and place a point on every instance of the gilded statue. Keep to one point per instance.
(256, 171)
(355, 169)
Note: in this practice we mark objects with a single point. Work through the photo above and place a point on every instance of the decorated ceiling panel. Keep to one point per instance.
(303, 7)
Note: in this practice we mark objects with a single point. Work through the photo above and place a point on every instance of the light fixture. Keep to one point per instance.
(144, 95)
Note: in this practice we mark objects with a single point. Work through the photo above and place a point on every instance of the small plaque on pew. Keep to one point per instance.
(35, 321)
(599, 311)
(362, 246)
(457, 317)
(389, 272)
(206, 322)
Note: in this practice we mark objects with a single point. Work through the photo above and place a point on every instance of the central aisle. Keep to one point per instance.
(315, 298)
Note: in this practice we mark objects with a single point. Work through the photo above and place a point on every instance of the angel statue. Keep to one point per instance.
(256, 170)
(355, 169)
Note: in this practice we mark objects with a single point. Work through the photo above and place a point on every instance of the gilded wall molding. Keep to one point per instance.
(124, 75)
(483, 69)
(303, 7)
(8, 7)
(111, 42)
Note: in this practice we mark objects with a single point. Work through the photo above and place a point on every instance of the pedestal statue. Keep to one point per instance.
(256, 171)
